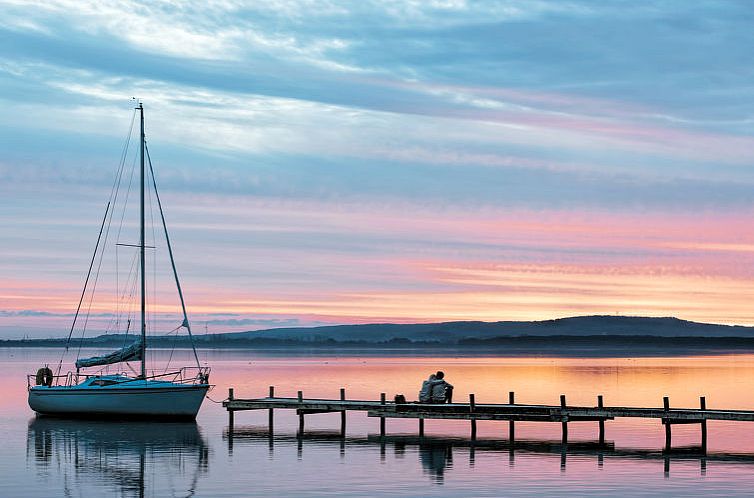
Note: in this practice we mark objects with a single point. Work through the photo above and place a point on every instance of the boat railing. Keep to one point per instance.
(68, 379)
(184, 375)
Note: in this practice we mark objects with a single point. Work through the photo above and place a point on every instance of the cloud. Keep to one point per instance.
(6, 313)
(273, 322)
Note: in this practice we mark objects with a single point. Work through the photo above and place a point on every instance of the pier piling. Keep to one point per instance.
(703, 407)
(270, 414)
(564, 418)
(230, 411)
(472, 406)
(343, 414)
(511, 423)
(300, 414)
(382, 419)
(601, 421)
(666, 421)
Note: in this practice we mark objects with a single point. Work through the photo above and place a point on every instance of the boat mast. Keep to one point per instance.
(141, 249)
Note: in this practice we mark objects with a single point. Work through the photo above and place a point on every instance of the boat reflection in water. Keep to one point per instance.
(118, 458)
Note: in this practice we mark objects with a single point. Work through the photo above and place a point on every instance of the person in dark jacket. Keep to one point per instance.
(442, 391)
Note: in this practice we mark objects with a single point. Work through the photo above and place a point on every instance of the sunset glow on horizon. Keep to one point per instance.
(387, 162)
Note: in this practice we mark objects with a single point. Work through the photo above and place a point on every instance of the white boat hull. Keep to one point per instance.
(166, 400)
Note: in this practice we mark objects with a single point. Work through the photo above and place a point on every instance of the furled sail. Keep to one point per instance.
(129, 353)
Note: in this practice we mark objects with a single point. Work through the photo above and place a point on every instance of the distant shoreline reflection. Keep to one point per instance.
(123, 458)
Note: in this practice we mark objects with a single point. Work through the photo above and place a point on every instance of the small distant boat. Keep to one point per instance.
(171, 394)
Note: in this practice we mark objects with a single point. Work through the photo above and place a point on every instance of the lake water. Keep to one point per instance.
(48, 457)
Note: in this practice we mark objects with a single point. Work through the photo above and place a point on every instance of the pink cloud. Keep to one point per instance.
(415, 265)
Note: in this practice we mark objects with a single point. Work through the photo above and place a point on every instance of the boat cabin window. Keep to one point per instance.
(103, 382)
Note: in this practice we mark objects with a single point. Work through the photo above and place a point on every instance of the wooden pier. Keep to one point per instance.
(473, 411)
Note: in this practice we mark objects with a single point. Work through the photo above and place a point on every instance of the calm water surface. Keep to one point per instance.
(49, 457)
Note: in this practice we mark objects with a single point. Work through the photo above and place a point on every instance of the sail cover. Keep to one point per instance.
(132, 352)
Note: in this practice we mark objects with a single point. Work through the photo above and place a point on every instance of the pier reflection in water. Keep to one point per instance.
(436, 454)
(129, 459)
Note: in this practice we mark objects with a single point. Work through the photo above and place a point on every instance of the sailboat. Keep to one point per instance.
(176, 394)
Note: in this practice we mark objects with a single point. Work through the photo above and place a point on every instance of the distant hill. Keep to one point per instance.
(597, 329)
(455, 332)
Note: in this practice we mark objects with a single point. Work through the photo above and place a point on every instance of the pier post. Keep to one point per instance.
(230, 411)
(270, 416)
(511, 423)
(666, 421)
(382, 419)
(703, 407)
(421, 427)
(472, 407)
(343, 414)
(600, 404)
(564, 423)
(301, 415)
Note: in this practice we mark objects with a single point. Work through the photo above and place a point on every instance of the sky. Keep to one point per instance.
(325, 162)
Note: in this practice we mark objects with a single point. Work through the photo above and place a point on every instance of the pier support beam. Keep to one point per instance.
(342, 414)
(472, 407)
(382, 419)
(511, 423)
(301, 415)
(600, 404)
(703, 407)
(421, 427)
(230, 411)
(270, 414)
(666, 421)
(564, 424)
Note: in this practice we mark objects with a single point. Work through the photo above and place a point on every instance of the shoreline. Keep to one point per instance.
(526, 350)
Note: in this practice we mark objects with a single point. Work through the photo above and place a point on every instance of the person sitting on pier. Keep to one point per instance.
(425, 395)
(442, 391)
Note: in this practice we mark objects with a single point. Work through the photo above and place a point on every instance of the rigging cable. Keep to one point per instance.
(172, 261)
(83, 291)
(129, 304)
(113, 200)
(120, 225)
(175, 340)
(152, 320)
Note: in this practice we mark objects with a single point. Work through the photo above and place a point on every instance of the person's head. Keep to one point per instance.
(432, 376)
(440, 375)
